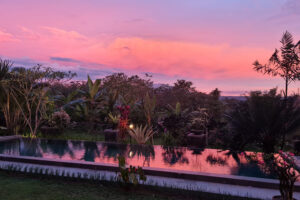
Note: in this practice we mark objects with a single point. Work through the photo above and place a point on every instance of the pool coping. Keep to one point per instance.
(170, 173)
(10, 137)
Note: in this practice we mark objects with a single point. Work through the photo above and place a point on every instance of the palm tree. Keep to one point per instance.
(284, 63)
(263, 119)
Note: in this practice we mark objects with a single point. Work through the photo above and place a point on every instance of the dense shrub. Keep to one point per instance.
(60, 119)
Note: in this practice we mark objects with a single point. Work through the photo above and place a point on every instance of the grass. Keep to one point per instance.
(15, 186)
(76, 135)
(85, 135)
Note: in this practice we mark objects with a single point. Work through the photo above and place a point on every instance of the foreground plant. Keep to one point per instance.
(133, 175)
(283, 165)
(141, 134)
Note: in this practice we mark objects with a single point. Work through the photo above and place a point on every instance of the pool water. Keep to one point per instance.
(180, 158)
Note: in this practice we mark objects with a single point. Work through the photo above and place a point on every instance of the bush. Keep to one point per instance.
(60, 119)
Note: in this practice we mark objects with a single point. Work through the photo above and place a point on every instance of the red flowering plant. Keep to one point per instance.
(123, 122)
(283, 166)
(132, 174)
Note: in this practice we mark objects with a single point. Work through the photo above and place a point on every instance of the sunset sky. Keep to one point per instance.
(212, 43)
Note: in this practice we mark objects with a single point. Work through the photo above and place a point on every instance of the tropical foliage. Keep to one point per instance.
(263, 119)
(283, 63)
(38, 96)
(141, 134)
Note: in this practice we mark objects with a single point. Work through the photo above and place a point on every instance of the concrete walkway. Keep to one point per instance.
(235, 190)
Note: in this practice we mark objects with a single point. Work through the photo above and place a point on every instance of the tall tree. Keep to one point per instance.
(283, 63)
(29, 90)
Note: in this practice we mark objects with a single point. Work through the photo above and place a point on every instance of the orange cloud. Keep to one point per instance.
(186, 59)
(194, 60)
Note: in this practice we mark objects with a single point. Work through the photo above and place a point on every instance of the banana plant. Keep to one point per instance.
(91, 103)
(66, 101)
(94, 92)
(177, 111)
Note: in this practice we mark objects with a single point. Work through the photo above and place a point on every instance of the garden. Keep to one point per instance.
(42, 103)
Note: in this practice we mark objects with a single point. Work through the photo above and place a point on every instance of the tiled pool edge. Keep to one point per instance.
(177, 174)
(11, 137)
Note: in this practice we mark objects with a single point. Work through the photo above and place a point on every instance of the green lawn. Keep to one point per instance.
(76, 135)
(85, 135)
(15, 186)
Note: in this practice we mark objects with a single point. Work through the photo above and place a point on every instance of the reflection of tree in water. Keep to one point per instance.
(196, 163)
(252, 170)
(216, 160)
(249, 168)
(145, 151)
(234, 155)
(10, 147)
(30, 147)
(113, 150)
(76, 145)
(173, 155)
(196, 151)
(58, 147)
(91, 151)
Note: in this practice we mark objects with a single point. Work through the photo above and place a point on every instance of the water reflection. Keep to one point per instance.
(58, 147)
(91, 151)
(113, 150)
(188, 159)
(10, 147)
(145, 152)
(173, 155)
(216, 160)
(30, 147)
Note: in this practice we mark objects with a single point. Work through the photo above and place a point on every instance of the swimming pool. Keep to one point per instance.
(212, 161)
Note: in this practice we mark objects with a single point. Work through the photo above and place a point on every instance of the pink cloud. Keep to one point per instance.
(60, 33)
(7, 37)
(187, 59)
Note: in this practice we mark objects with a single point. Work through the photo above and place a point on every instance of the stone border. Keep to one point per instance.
(179, 174)
(6, 138)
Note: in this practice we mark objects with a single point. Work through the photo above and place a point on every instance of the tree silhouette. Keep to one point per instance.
(283, 63)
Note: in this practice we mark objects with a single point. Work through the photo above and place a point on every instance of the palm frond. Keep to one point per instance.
(287, 39)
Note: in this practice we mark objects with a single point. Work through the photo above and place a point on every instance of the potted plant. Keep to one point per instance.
(110, 134)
